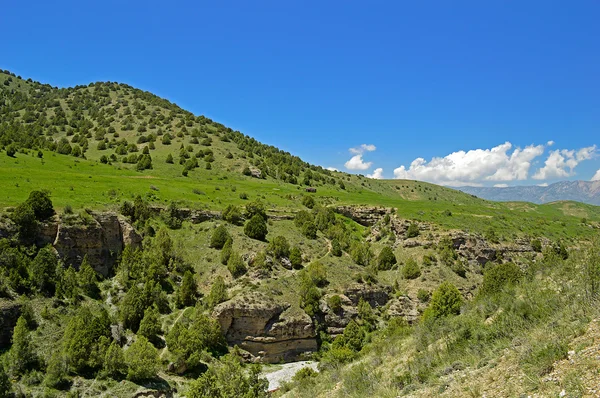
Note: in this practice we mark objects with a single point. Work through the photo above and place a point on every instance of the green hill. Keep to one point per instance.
(146, 194)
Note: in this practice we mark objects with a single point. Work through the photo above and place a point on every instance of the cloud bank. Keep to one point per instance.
(501, 163)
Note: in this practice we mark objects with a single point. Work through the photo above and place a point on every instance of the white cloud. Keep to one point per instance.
(471, 167)
(550, 143)
(356, 162)
(500, 185)
(332, 169)
(562, 162)
(377, 174)
(596, 176)
(362, 149)
(544, 184)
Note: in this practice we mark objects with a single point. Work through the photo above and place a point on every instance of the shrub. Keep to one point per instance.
(309, 229)
(386, 259)
(226, 252)
(536, 245)
(497, 276)
(335, 303)
(187, 292)
(361, 253)
(279, 247)
(236, 265)
(308, 201)
(24, 218)
(219, 237)
(411, 269)
(423, 295)
(150, 326)
(114, 361)
(296, 257)
(227, 378)
(218, 293)
(256, 228)
(309, 296)
(459, 269)
(142, 360)
(317, 273)
(302, 217)
(446, 300)
(41, 204)
(336, 248)
(232, 214)
(256, 208)
(412, 231)
(303, 374)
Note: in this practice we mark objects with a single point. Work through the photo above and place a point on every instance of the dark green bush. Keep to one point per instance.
(497, 276)
(411, 269)
(386, 259)
(256, 228)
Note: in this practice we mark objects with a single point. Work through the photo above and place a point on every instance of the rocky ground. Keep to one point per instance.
(285, 372)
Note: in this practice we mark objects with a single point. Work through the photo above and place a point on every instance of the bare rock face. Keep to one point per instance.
(101, 239)
(364, 215)
(9, 314)
(260, 326)
(337, 321)
(405, 308)
(475, 248)
(375, 295)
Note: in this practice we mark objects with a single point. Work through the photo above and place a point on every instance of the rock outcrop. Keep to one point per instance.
(364, 215)
(405, 308)
(263, 328)
(9, 314)
(336, 321)
(101, 238)
(376, 296)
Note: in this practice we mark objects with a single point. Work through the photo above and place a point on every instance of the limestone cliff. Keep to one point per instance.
(265, 328)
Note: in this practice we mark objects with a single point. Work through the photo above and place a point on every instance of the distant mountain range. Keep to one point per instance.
(580, 191)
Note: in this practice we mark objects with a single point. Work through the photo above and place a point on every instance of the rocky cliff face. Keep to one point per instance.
(263, 328)
(101, 239)
(9, 314)
(364, 215)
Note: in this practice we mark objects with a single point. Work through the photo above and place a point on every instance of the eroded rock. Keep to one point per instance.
(265, 329)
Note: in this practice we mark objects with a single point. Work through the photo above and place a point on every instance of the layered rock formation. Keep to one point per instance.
(101, 237)
(364, 215)
(263, 328)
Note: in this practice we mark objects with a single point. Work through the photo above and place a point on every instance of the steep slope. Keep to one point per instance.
(579, 191)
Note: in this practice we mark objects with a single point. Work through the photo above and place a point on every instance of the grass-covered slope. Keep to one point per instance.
(85, 145)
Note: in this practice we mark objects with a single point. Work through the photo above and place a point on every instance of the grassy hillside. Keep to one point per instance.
(106, 145)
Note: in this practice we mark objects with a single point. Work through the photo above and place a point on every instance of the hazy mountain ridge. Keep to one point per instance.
(580, 191)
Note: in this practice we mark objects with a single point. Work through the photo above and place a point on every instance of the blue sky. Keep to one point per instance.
(415, 80)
